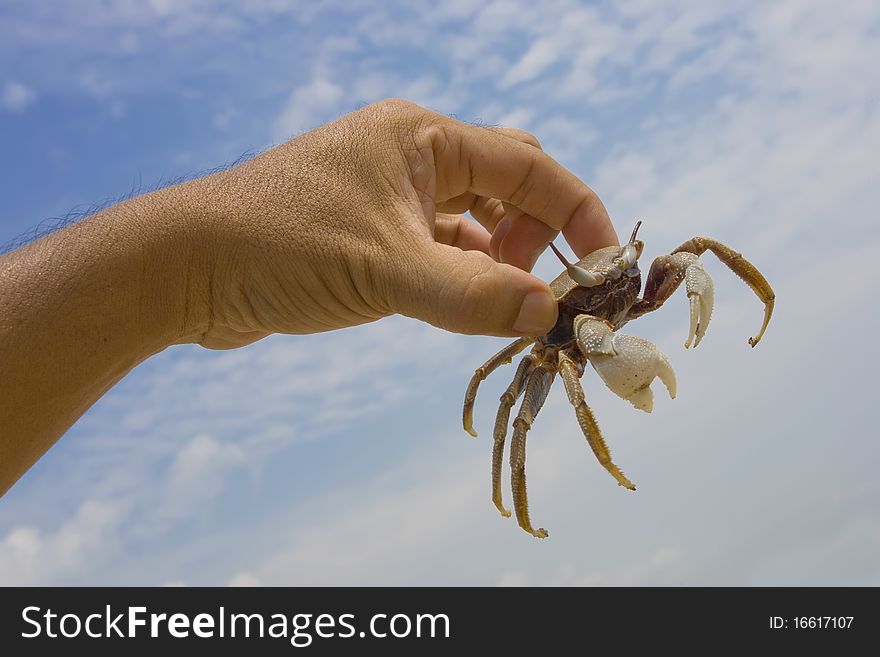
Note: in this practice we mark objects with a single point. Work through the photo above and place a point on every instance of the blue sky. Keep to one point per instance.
(339, 458)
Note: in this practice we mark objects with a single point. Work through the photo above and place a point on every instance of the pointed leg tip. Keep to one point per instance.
(498, 505)
(623, 481)
(471, 432)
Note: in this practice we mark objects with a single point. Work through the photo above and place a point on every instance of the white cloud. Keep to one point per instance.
(223, 120)
(541, 54)
(519, 117)
(198, 471)
(383, 530)
(245, 579)
(29, 557)
(162, 7)
(16, 97)
(98, 83)
(308, 106)
(516, 578)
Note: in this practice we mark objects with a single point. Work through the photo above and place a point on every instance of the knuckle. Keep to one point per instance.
(526, 185)
(404, 119)
(591, 201)
(529, 138)
(398, 109)
(397, 104)
(523, 136)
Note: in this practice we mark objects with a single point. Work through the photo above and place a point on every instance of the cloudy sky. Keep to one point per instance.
(339, 458)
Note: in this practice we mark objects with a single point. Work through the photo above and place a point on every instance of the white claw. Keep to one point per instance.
(594, 336)
(643, 399)
(701, 294)
(695, 321)
(628, 365)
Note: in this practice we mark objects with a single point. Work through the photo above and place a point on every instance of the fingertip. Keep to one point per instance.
(537, 314)
(590, 227)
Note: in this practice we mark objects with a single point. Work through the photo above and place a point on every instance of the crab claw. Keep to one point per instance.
(626, 363)
(701, 294)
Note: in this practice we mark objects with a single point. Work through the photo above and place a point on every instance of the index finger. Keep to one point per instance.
(469, 158)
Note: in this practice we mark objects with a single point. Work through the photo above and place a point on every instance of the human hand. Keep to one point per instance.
(358, 219)
(343, 225)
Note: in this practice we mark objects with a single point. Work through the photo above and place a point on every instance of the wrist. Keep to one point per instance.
(169, 265)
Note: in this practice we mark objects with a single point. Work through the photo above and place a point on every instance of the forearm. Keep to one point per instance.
(80, 308)
(350, 222)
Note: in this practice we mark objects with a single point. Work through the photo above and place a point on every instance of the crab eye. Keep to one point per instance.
(627, 258)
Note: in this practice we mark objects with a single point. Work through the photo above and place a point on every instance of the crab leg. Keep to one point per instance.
(537, 387)
(501, 358)
(683, 264)
(571, 373)
(739, 266)
(508, 399)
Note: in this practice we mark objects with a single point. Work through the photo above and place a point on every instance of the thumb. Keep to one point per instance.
(468, 292)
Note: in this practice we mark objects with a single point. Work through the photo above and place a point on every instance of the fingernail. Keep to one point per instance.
(536, 315)
(498, 235)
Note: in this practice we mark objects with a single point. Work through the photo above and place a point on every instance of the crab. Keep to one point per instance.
(597, 296)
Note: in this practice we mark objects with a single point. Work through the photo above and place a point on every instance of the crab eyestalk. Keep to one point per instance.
(579, 275)
(632, 238)
(561, 257)
(631, 251)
